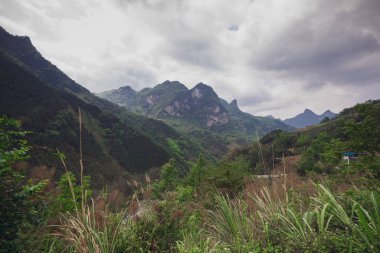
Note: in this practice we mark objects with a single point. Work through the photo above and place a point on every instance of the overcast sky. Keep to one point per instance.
(274, 56)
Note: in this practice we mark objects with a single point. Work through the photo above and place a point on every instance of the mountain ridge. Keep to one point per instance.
(46, 101)
(198, 109)
(308, 118)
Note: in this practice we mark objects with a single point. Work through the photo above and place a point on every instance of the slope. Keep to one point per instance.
(46, 101)
(321, 147)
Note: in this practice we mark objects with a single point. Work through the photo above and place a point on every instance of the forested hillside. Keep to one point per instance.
(322, 147)
(47, 102)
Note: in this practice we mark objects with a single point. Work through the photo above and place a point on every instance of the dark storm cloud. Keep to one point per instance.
(333, 44)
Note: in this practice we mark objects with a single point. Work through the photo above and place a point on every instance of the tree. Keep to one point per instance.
(64, 201)
(17, 206)
(169, 176)
(364, 135)
(197, 173)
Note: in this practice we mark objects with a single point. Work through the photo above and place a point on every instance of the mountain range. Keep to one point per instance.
(308, 118)
(141, 130)
(46, 101)
(198, 112)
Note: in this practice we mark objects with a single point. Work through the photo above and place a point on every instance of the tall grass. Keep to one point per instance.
(87, 229)
(360, 221)
(196, 242)
(323, 223)
(87, 233)
(231, 223)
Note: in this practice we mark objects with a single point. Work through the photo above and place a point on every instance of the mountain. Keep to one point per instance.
(328, 114)
(121, 96)
(308, 118)
(321, 147)
(46, 101)
(198, 112)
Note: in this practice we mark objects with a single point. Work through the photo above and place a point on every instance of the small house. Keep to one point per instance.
(350, 156)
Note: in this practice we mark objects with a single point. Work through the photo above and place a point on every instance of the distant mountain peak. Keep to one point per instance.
(202, 86)
(126, 88)
(202, 90)
(172, 84)
(308, 111)
(329, 114)
(234, 105)
(308, 118)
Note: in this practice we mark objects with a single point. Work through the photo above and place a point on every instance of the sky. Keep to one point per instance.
(276, 57)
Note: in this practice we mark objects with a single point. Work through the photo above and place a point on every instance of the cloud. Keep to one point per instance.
(340, 45)
(233, 28)
(275, 57)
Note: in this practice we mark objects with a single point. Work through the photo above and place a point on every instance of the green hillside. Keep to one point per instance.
(47, 101)
(321, 147)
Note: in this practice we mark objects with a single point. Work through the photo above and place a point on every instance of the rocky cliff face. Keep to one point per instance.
(201, 104)
(200, 107)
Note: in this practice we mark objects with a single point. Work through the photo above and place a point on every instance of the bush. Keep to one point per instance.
(228, 174)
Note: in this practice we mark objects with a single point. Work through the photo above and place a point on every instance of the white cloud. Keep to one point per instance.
(276, 57)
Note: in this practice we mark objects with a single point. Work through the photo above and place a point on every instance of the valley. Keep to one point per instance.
(175, 169)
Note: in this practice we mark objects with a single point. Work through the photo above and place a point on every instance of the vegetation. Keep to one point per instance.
(20, 206)
(212, 207)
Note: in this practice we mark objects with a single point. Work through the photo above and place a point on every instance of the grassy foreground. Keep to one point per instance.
(263, 222)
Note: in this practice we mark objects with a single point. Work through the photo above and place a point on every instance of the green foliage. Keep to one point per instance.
(173, 146)
(64, 201)
(169, 176)
(303, 140)
(364, 135)
(20, 206)
(364, 129)
(228, 174)
(185, 193)
(155, 229)
(197, 173)
(196, 242)
(368, 165)
(231, 224)
(325, 224)
(83, 232)
(323, 155)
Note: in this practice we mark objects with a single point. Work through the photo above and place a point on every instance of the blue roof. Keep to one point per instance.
(351, 154)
